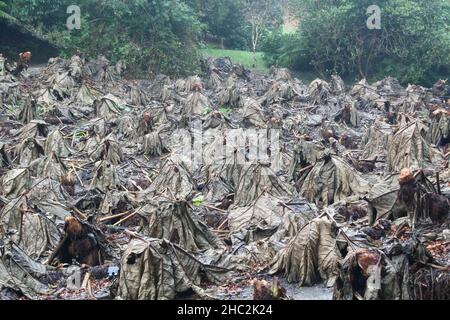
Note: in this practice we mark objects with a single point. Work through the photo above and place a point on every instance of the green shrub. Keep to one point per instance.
(151, 36)
(413, 43)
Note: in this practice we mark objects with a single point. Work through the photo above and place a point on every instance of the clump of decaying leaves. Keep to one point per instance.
(263, 290)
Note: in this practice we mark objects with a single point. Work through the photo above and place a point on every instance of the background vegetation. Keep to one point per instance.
(151, 36)
(240, 57)
(413, 44)
(165, 36)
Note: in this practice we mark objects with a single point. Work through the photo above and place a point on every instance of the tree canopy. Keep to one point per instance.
(153, 36)
(413, 43)
(223, 21)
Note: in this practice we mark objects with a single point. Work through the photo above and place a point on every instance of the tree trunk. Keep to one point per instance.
(254, 42)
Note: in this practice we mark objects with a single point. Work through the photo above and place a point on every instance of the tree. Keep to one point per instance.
(2, 9)
(223, 22)
(261, 15)
(4, 6)
(151, 36)
(413, 43)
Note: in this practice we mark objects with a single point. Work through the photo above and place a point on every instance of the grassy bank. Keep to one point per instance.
(239, 57)
(246, 58)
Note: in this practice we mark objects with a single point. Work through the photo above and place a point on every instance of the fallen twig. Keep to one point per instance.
(119, 215)
(127, 217)
(81, 214)
(76, 174)
(215, 208)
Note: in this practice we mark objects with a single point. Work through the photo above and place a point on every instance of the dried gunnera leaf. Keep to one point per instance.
(56, 144)
(29, 111)
(87, 94)
(408, 148)
(196, 104)
(105, 176)
(331, 180)
(168, 219)
(108, 149)
(153, 145)
(153, 269)
(5, 159)
(229, 93)
(311, 256)
(253, 114)
(174, 180)
(108, 107)
(16, 182)
(257, 179)
(20, 272)
(193, 83)
(368, 274)
(319, 91)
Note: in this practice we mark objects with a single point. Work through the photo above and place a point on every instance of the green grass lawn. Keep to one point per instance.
(246, 58)
(239, 57)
